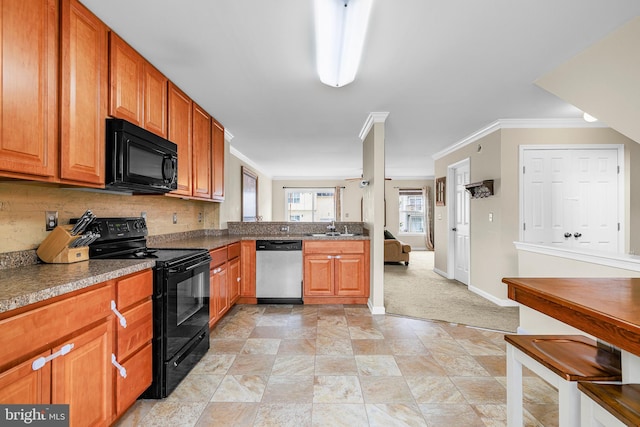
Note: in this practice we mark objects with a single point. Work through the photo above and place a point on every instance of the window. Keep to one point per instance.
(310, 204)
(411, 211)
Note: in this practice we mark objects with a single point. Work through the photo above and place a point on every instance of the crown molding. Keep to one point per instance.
(379, 117)
(517, 124)
(228, 136)
(248, 161)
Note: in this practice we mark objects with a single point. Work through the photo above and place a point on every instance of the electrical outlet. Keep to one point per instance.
(199, 216)
(143, 215)
(175, 217)
(51, 218)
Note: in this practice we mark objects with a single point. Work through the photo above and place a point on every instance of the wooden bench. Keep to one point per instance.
(562, 361)
(610, 404)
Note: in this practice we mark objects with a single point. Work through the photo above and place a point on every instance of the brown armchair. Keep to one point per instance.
(395, 250)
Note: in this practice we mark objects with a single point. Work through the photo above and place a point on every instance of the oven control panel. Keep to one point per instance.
(119, 228)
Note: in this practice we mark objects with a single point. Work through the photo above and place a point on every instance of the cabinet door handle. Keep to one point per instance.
(329, 257)
(237, 279)
(121, 369)
(123, 321)
(576, 235)
(337, 257)
(41, 361)
(567, 235)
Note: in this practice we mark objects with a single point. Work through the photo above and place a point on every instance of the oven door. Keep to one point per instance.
(187, 304)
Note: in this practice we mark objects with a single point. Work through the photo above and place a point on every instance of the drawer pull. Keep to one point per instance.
(121, 369)
(123, 321)
(41, 361)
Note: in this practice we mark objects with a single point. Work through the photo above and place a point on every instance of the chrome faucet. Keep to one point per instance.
(332, 227)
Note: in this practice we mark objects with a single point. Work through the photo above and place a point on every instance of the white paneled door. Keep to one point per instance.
(461, 226)
(570, 198)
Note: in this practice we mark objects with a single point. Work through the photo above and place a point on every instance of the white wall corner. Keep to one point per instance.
(228, 136)
(379, 117)
(248, 161)
(442, 273)
(375, 310)
(498, 301)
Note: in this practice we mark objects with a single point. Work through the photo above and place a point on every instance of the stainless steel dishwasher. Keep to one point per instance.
(279, 271)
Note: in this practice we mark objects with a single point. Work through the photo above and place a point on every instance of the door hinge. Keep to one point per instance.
(524, 226)
(618, 226)
(523, 169)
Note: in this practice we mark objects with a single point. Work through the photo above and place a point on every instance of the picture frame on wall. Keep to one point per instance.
(441, 191)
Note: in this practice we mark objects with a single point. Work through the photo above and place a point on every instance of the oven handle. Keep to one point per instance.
(186, 353)
(191, 267)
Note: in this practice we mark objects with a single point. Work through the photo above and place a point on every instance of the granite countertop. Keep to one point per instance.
(26, 285)
(21, 286)
(213, 242)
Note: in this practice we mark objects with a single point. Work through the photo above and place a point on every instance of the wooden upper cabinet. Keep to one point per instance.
(201, 153)
(217, 166)
(28, 97)
(138, 91)
(155, 100)
(179, 131)
(126, 75)
(84, 92)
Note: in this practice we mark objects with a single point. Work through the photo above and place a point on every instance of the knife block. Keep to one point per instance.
(55, 248)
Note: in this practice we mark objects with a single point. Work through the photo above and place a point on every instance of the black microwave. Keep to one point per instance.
(138, 161)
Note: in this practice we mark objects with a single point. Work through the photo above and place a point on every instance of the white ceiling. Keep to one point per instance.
(442, 69)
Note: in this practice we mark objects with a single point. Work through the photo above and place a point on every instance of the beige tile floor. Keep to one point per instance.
(334, 365)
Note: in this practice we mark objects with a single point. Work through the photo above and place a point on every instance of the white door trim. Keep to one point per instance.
(621, 180)
(451, 214)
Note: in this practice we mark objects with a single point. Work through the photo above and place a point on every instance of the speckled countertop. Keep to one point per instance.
(26, 285)
(212, 242)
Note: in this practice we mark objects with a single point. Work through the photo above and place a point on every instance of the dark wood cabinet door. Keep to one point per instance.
(83, 95)
(29, 103)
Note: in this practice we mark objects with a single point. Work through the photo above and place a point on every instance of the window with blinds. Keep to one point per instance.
(411, 211)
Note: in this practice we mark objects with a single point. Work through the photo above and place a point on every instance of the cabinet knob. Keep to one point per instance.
(576, 235)
(567, 235)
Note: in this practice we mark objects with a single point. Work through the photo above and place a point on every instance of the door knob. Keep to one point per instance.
(567, 235)
(576, 235)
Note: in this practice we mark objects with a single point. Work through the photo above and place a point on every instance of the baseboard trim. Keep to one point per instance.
(498, 301)
(442, 273)
(375, 310)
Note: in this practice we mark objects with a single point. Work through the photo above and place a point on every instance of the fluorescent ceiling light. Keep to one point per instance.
(341, 26)
(589, 118)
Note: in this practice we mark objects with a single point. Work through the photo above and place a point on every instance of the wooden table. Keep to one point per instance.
(607, 308)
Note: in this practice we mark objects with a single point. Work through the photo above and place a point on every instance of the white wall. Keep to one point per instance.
(232, 205)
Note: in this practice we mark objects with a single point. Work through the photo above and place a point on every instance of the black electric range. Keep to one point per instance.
(180, 297)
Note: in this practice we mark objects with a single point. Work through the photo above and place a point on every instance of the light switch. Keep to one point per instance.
(490, 216)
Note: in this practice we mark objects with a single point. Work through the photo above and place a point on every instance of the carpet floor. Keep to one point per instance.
(417, 291)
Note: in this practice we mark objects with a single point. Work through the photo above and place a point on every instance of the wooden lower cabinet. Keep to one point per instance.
(336, 272)
(75, 338)
(248, 272)
(234, 280)
(22, 384)
(133, 342)
(83, 377)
